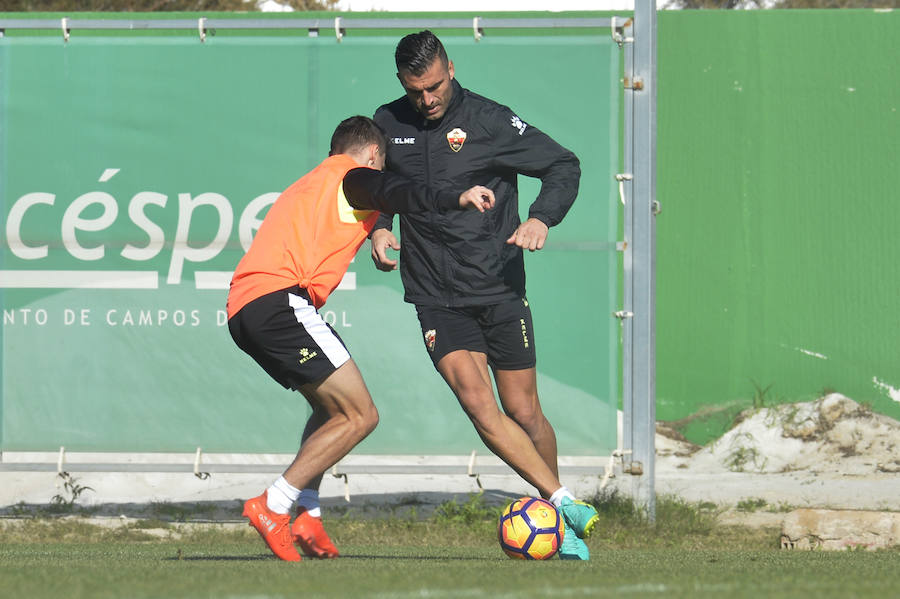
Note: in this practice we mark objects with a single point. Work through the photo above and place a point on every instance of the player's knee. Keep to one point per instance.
(366, 419)
(361, 421)
(369, 420)
(484, 415)
(530, 418)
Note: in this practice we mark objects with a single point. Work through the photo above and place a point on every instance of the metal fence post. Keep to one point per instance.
(641, 426)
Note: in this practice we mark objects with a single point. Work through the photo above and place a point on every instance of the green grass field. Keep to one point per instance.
(450, 554)
(167, 569)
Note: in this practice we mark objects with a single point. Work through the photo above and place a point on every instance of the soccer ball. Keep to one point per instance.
(530, 528)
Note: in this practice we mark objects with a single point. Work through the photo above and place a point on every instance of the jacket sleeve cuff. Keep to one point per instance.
(543, 218)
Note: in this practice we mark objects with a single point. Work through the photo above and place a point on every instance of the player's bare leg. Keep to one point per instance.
(519, 398)
(315, 421)
(307, 529)
(350, 417)
(467, 374)
(518, 395)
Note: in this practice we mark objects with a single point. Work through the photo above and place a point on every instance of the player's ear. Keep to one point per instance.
(450, 68)
(372, 155)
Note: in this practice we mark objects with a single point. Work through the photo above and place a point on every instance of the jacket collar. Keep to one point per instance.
(457, 98)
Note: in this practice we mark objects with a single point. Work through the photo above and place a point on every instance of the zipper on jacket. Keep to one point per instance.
(433, 217)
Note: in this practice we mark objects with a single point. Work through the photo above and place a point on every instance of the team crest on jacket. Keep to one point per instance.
(430, 336)
(457, 138)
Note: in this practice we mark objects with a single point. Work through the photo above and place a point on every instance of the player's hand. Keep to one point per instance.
(382, 240)
(479, 197)
(530, 235)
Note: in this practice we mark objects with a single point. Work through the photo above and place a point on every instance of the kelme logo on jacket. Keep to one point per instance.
(456, 138)
(518, 124)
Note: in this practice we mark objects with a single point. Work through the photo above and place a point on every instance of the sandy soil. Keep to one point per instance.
(829, 453)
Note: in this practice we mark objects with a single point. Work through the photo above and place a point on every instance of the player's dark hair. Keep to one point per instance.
(417, 51)
(356, 133)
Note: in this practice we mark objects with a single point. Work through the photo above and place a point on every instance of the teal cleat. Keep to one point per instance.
(580, 516)
(572, 547)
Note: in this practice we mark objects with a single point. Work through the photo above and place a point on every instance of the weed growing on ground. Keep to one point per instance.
(744, 453)
(782, 507)
(474, 510)
(751, 504)
(20, 510)
(759, 399)
(173, 512)
(66, 503)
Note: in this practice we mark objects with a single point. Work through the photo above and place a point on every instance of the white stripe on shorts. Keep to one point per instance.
(307, 316)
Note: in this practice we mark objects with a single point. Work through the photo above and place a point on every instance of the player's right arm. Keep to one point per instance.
(382, 240)
(370, 189)
(390, 193)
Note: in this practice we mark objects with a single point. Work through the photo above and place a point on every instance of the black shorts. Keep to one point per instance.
(502, 331)
(285, 334)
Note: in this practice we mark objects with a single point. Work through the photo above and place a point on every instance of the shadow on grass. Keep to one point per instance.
(220, 558)
(252, 558)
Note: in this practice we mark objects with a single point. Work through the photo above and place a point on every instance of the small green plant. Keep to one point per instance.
(72, 490)
(752, 504)
(781, 507)
(740, 458)
(744, 454)
(164, 510)
(790, 414)
(474, 510)
(20, 510)
(760, 395)
(611, 503)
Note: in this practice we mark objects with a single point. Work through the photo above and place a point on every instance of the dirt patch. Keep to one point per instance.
(832, 452)
(833, 434)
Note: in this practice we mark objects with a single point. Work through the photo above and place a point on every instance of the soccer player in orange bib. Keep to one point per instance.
(297, 258)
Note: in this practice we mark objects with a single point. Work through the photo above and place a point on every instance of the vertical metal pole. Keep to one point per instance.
(628, 256)
(643, 242)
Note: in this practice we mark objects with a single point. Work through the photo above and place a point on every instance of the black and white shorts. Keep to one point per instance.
(504, 332)
(285, 334)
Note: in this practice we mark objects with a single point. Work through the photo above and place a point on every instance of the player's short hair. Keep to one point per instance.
(355, 133)
(417, 51)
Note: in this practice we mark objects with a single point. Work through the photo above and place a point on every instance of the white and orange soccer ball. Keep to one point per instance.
(530, 528)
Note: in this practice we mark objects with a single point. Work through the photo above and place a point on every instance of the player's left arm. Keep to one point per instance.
(527, 150)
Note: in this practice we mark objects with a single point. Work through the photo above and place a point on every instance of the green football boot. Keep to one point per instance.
(572, 547)
(580, 516)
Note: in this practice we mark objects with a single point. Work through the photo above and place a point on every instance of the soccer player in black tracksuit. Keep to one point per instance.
(465, 275)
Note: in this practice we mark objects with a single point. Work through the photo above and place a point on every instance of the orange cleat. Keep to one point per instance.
(273, 528)
(309, 533)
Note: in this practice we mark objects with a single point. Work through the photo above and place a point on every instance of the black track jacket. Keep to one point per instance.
(460, 258)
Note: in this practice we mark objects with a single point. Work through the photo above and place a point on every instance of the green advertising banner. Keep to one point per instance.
(134, 171)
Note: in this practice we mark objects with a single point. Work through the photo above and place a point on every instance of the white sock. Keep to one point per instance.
(309, 499)
(281, 496)
(557, 497)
